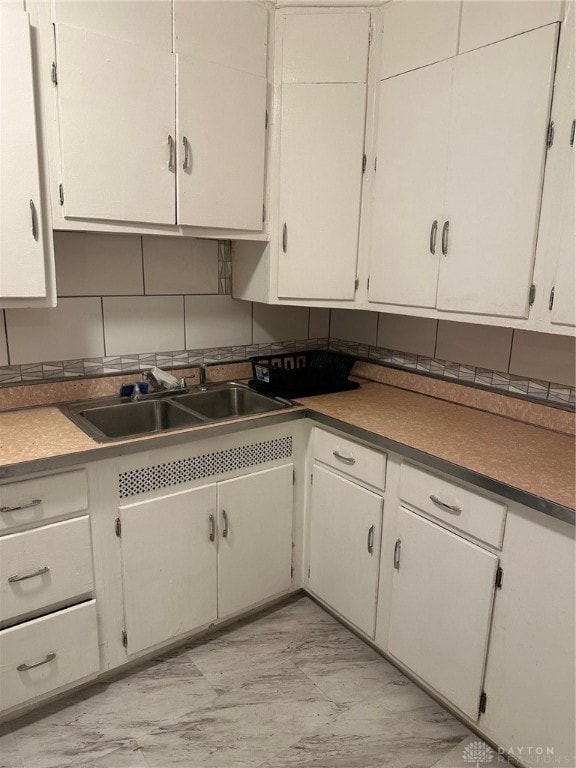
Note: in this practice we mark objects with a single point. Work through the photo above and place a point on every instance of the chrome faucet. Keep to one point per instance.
(136, 394)
(202, 376)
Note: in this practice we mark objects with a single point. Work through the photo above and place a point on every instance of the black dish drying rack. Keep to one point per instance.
(300, 374)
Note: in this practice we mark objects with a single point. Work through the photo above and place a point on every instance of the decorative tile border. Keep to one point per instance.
(224, 267)
(506, 383)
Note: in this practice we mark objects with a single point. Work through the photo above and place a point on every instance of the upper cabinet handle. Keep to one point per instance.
(225, 529)
(371, 539)
(445, 230)
(346, 459)
(433, 233)
(172, 154)
(212, 535)
(572, 132)
(33, 503)
(186, 145)
(448, 507)
(34, 218)
(285, 237)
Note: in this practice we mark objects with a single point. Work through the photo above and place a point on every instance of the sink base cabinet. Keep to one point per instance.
(345, 530)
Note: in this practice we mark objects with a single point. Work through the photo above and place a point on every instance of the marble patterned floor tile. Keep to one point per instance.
(125, 757)
(9, 752)
(461, 755)
(352, 681)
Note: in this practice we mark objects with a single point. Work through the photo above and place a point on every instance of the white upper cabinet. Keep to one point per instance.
(488, 21)
(117, 118)
(418, 32)
(499, 118)
(22, 247)
(563, 300)
(412, 151)
(324, 58)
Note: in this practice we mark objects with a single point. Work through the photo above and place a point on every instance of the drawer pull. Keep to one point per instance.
(48, 658)
(371, 540)
(346, 459)
(24, 576)
(33, 503)
(225, 518)
(448, 507)
(397, 548)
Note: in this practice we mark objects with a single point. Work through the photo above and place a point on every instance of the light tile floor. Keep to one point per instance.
(290, 688)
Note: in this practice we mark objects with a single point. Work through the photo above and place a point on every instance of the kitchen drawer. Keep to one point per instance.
(54, 651)
(44, 566)
(41, 498)
(459, 507)
(356, 460)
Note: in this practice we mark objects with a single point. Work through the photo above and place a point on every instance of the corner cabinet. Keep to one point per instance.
(25, 238)
(167, 134)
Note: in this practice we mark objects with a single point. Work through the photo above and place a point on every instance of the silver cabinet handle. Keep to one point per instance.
(346, 459)
(572, 132)
(285, 237)
(25, 667)
(172, 154)
(212, 528)
(445, 230)
(371, 539)
(448, 507)
(397, 548)
(186, 163)
(433, 233)
(225, 529)
(34, 218)
(30, 575)
(33, 503)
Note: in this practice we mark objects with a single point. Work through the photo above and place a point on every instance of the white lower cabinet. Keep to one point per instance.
(168, 566)
(345, 530)
(194, 556)
(48, 653)
(442, 595)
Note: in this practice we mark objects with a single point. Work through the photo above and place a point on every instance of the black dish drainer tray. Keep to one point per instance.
(299, 374)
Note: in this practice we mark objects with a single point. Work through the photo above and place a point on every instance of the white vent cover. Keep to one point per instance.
(137, 481)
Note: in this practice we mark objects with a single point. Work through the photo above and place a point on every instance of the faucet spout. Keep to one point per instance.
(202, 377)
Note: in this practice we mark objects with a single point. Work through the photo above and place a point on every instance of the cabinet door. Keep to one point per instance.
(564, 306)
(417, 33)
(168, 566)
(499, 118)
(22, 271)
(322, 143)
(442, 598)
(117, 112)
(255, 538)
(221, 140)
(412, 149)
(345, 530)
(487, 22)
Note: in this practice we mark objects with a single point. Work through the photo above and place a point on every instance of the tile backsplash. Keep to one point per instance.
(128, 302)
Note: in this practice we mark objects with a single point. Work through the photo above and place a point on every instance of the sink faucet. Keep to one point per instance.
(202, 376)
(136, 394)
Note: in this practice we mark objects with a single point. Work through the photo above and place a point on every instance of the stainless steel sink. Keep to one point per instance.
(122, 420)
(229, 401)
(113, 419)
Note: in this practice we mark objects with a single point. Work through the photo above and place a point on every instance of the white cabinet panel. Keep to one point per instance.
(322, 138)
(168, 566)
(221, 116)
(255, 538)
(441, 609)
(485, 22)
(564, 307)
(117, 111)
(22, 272)
(233, 34)
(416, 33)
(325, 47)
(345, 530)
(412, 151)
(500, 109)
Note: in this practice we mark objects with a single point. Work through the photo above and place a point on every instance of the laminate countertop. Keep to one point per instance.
(530, 464)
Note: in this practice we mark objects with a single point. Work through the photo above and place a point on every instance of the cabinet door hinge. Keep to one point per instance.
(356, 283)
(550, 134)
(61, 193)
(363, 164)
(375, 163)
(118, 527)
(293, 477)
(370, 35)
(266, 120)
(551, 299)
(54, 73)
(308, 572)
(263, 213)
(482, 704)
(311, 478)
(368, 283)
(291, 571)
(499, 578)
(532, 295)
(125, 638)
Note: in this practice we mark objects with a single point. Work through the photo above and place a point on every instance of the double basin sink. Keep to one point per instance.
(114, 419)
